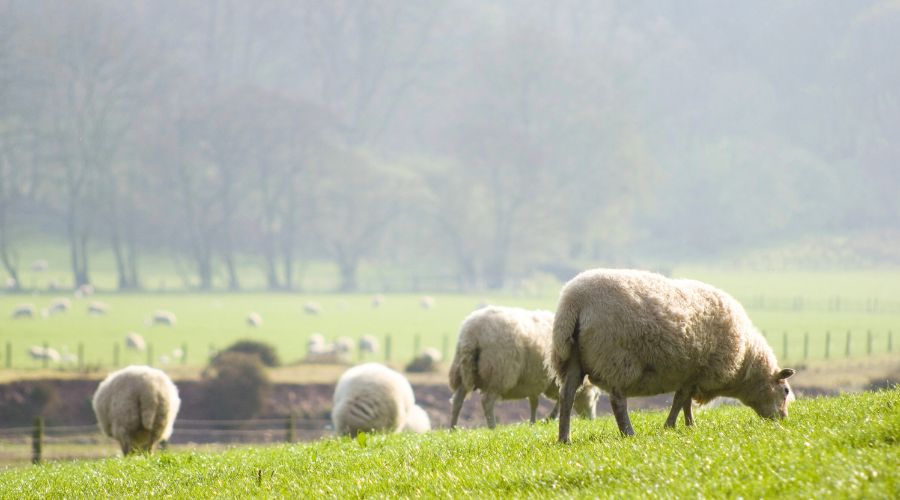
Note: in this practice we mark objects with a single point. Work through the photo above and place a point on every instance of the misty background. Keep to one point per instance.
(446, 145)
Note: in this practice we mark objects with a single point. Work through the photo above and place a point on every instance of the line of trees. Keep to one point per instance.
(472, 139)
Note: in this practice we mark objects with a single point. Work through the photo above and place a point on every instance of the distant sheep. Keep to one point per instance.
(377, 300)
(502, 352)
(84, 290)
(135, 342)
(319, 351)
(97, 308)
(40, 353)
(373, 398)
(636, 333)
(59, 305)
(11, 283)
(343, 344)
(40, 265)
(426, 302)
(254, 320)
(312, 308)
(315, 342)
(136, 406)
(24, 311)
(427, 361)
(161, 317)
(368, 344)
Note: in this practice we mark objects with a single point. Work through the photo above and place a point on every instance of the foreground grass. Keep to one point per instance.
(841, 446)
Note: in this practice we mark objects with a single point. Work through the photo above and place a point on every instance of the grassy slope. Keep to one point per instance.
(843, 446)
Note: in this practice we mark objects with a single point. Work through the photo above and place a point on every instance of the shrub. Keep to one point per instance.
(267, 353)
(235, 386)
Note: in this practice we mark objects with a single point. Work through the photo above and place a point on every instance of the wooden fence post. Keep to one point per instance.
(184, 352)
(149, 354)
(868, 342)
(8, 354)
(784, 347)
(417, 344)
(116, 355)
(890, 340)
(847, 346)
(445, 346)
(805, 345)
(37, 440)
(46, 360)
(827, 344)
(81, 356)
(291, 432)
(387, 347)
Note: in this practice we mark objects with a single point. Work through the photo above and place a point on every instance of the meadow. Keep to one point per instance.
(845, 446)
(207, 322)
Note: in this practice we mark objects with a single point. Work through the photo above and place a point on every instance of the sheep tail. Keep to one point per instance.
(464, 369)
(565, 339)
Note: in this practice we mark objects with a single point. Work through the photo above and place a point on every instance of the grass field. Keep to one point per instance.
(843, 446)
(210, 321)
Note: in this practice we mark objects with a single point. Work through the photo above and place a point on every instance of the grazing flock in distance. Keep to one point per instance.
(625, 332)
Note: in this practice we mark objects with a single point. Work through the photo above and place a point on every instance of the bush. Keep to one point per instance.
(236, 386)
(266, 352)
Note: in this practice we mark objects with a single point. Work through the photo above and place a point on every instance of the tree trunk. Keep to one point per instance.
(348, 265)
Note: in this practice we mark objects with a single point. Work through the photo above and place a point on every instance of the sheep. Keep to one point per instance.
(254, 319)
(377, 300)
(40, 265)
(135, 341)
(343, 345)
(59, 305)
(373, 398)
(426, 302)
(315, 342)
(426, 361)
(136, 406)
(417, 421)
(24, 311)
(48, 353)
(84, 290)
(97, 308)
(502, 352)
(11, 283)
(368, 344)
(637, 333)
(161, 317)
(312, 308)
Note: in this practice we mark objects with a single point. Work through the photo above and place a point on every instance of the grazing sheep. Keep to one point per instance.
(426, 302)
(316, 341)
(368, 344)
(312, 308)
(636, 333)
(426, 361)
(254, 319)
(40, 265)
(97, 308)
(343, 344)
(24, 311)
(11, 283)
(372, 397)
(135, 341)
(417, 420)
(502, 352)
(377, 300)
(39, 353)
(163, 318)
(59, 305)
(84, 290)
(136, 406)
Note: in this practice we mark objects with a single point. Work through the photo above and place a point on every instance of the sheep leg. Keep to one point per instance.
(458, 397)
(533, 404)
(681, 399)
(126, 447)
(487, 404)
(688, 413)
(554, 412)
(573, 378)
(619, 405)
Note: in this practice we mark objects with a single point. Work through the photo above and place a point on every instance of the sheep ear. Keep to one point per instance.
(785, 374)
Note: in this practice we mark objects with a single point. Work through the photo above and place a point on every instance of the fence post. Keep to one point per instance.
(81, 356)
(417, 344)
(46, 359)
(184, 353)
(890, 340)
(149, 354)
(445, 344)
(827, 344)
(37, 440)
(847, 347)
(784, 348)
(387, 347)
(9, 354)
(868, 342)
(805, 346)
(291, 432)
(116, 355)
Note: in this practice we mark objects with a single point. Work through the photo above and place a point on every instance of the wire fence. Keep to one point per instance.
(39, 442)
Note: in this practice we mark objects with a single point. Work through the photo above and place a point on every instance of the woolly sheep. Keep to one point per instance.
(426, 361)
(417, 421)
(11, 283)
(135, 341)
(502, 352)
(426, 302)
(372, 397)
(48, 353)
(312, 308)
(97, 308)
(636, 333)
(24, 311)
(315, 341)
(84, 290)
(136, 406)
(59, 305)
(163, 318)
(377, 300)
(368, 344)
(343, 344)
(254, 319)
(40, 265)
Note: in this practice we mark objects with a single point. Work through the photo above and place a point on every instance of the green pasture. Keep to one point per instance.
(212, 321)
(839, 447)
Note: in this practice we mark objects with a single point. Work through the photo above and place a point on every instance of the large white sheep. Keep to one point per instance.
(417, 420)
(136, 406)
(372, 397)
(135, 341)
(41, 353)
(502, 352)
(368, 344)
(24, 311)
(636, 333)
